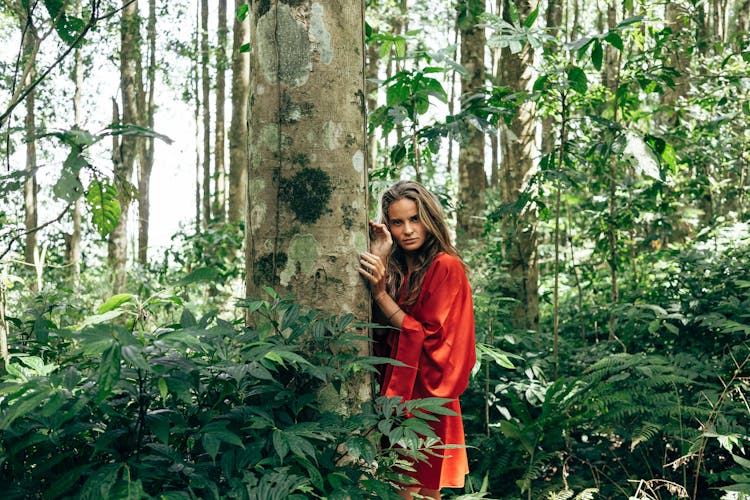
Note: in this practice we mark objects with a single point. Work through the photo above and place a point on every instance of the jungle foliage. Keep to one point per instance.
(635, 386)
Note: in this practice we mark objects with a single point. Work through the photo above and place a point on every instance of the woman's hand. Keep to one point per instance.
(372, 267)
(381, 241)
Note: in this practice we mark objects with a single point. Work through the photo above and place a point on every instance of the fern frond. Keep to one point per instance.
(646, 431)
(587, 494)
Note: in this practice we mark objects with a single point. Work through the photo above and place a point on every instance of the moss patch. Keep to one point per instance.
(307, 194)
(264, 274)
(262, 7)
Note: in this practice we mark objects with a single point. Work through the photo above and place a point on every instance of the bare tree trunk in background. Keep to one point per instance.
(516, 170)
(238, 127)
(76, 237)
(372, 69)
(30, 45)
(196, 122)
(146, 157)
(206, 91)
(611, 55)
(220, 177)
(472, 181)
(554, 22)
(677, 18)
(125, 153)
(308, 210)
(743, 16)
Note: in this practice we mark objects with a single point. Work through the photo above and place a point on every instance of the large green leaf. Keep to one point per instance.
(101, 198)
(67, 27)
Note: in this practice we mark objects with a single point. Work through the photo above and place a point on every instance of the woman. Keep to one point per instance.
(420, 287)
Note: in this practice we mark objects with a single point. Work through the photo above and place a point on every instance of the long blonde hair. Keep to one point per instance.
(437, 239)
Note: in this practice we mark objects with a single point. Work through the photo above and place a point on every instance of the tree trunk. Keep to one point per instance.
(30, 187)
(743, 16)
(196, 122)
(146, 160)
(373, 62)
(516, 170)
(220, 179)
(76, 237)
(554, 22)
(238, 127)
(679, 58)
(472, 181)
(206, 90)
(124, 154)
(307, 211)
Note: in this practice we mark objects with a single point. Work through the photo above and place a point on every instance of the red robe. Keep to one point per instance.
(436, 342)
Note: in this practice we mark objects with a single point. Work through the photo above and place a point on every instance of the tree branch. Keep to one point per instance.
(95, 4)
(34, 230)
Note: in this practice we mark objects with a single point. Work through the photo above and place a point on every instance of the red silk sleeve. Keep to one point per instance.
(436, 340)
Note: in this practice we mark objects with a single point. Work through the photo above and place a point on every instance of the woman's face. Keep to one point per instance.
(408, 231)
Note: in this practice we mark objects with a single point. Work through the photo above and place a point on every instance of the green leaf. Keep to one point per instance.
(741, 461)
(100, 482)
(163, 389)
(577, 80)
(400, 45)
(101, 198)
(134, 355)
(596, 55)
(68, 187)
(615, 40)
(24, 404)
(114, 302)
(198, 275)
(280, 444)
(109, 371)
(242, 11)
(245, 47)
(68, 28)
(398, 153)
(187, 319)
(540, 83)
(529, 22)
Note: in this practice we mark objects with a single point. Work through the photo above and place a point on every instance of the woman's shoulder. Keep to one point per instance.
(451, 263)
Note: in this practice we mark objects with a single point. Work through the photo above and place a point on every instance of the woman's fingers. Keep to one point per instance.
(371, 267)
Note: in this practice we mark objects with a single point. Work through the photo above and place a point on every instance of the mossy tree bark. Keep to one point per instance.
(472, 181)
(238, 126)
(307, 189)
(516, 170)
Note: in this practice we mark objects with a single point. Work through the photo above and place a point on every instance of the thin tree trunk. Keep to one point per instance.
(146, 162)
(30, 42)
(124, 155)
(76, 237)
(516, 171)
(30, 186)
(238, 127)
(206, 90)
(472, 181)
(196, 121)
(554, 22)
(308, 209)
(373, 62)
(220, 178)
